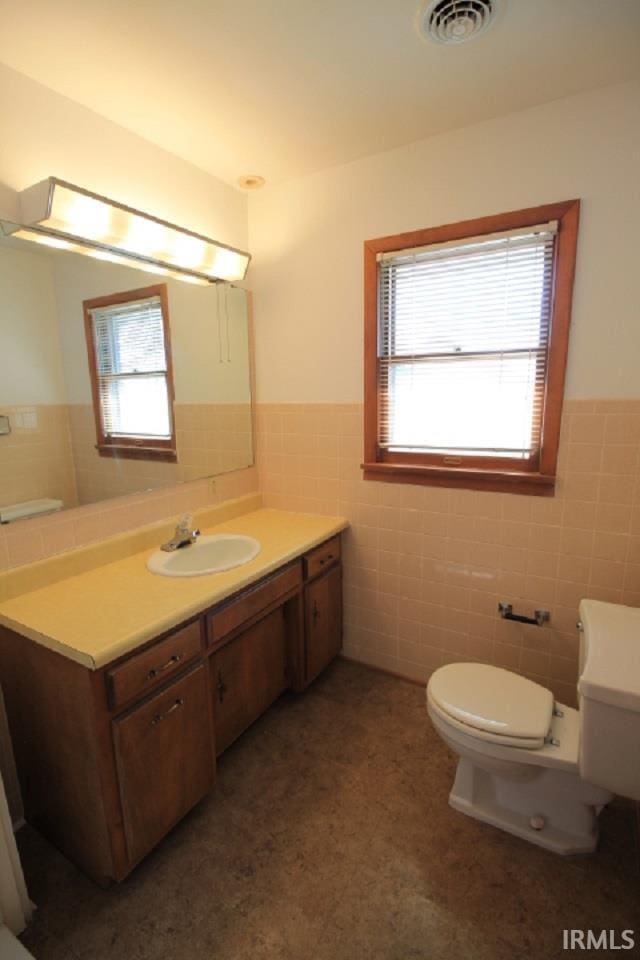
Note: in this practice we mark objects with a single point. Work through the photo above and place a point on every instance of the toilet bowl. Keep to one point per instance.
(539, 769)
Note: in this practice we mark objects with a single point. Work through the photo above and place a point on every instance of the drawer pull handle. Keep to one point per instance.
(326, 559)
(159, 717)
(171, 662)
(316, 611)
(221, 687)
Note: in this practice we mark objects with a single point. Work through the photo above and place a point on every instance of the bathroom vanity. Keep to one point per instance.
(112, 754)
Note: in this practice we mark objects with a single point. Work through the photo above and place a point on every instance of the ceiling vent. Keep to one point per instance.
(455, 21)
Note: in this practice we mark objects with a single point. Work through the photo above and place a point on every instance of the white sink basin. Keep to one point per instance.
(209, 554)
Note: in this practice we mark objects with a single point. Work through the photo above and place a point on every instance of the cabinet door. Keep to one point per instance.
(267, 662)
(323, 621)
(248, 674)
(230, 695)
(165, 760)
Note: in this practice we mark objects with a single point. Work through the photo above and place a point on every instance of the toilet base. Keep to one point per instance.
(560, 803)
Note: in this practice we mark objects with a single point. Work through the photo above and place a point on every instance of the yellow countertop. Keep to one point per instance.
(97, 616)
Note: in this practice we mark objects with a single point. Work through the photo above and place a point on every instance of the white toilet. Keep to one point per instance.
(536, 768)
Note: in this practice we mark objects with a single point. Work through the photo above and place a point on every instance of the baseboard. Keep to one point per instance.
(388, 673)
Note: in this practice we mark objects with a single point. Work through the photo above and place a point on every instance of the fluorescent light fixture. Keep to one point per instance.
(71, 218)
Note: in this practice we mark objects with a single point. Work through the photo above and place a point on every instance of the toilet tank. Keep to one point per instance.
(609, 697)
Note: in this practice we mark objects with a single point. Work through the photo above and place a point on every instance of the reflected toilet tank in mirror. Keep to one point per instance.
(149, 388)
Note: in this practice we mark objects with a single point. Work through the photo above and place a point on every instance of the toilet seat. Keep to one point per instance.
(492, 704)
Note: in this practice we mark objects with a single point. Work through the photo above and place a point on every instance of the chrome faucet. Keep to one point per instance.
(184, 535)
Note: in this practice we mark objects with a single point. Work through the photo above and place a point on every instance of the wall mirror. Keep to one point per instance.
(114, 380)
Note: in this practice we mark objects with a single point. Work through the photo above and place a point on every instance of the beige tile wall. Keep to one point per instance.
(211, 439)
(36, 460)
(425, 567)
(29, 540)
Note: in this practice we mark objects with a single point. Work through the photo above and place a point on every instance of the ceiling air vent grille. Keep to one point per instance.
(454, 21)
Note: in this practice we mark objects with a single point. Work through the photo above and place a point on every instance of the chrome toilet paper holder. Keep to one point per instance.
(539, 618)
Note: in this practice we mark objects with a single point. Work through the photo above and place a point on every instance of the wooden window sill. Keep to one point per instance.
(126, 452)
(497, 481)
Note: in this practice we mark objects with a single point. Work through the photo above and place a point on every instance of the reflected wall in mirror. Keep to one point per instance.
(114, 380)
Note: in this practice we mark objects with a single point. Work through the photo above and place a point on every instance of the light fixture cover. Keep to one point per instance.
(88, 223)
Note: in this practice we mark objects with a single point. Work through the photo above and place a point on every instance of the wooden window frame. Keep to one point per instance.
(131, 448)
(500, 474)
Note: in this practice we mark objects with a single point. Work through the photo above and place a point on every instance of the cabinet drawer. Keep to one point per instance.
(322, 557)
(249, 604)
(147, 670)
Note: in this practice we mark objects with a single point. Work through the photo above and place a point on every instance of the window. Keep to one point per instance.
(466, 335)
(130, 366)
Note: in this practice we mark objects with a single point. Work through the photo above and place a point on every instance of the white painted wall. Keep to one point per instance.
(307, 236)
(44, 134)
(210, 343)
(210, 355)
(30, 359)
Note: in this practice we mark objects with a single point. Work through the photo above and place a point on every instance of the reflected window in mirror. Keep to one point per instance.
(46, 387)
(129, 349)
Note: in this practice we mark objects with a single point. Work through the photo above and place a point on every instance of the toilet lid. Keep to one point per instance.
(492, 700)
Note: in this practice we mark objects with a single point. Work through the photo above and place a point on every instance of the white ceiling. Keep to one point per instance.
(284, 87)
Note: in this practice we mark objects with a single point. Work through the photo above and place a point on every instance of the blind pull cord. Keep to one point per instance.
(224, 331)
(226, 311)
(219, 321)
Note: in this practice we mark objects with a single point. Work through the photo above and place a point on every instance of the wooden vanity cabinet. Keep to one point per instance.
(164, 760)
(322, 607)
(105, 782)
(248, 673)
(323, 621)
(110, 759)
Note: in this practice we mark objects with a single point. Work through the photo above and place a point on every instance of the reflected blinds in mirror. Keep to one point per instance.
(463, 340)
(131, 369)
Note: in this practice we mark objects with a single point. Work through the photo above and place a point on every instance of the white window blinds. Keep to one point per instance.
(131, 369)
(463, 336)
